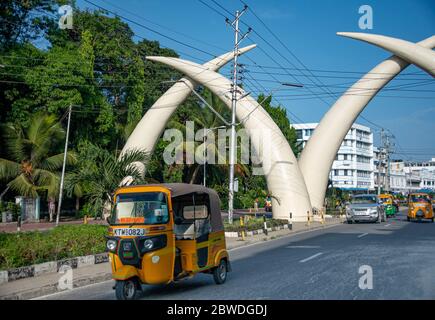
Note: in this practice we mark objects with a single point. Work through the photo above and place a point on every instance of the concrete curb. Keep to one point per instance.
(51, 267)
(238, 234)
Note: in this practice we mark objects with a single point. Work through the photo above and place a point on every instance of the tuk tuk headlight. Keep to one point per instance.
(148, 244)
(111, 245)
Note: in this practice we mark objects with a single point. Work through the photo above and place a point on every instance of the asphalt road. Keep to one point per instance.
(322, 264)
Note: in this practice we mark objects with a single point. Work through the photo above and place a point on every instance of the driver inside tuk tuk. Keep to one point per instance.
(154, 213)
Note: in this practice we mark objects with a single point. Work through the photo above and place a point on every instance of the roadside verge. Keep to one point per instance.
(44, 280)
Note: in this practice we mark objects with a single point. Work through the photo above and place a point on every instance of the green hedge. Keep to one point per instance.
(27, 248)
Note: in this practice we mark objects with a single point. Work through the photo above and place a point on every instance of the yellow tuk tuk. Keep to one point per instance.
(165, 232)
(420, 207)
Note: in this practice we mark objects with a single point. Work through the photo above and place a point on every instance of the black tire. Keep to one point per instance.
(349, 222)
(220, 272)
(408, 219)
(126, 289)
(432, 220)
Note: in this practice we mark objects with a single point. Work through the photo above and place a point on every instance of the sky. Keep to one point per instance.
(305, 49)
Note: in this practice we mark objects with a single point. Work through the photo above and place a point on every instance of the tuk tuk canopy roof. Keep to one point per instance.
(180, 189)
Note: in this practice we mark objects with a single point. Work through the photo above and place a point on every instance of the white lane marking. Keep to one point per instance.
(362, 235)
(312, 257)
(292, 234)
(303, 247)
(387, 225)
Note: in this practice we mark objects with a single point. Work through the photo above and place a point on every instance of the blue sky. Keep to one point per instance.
(308, 28)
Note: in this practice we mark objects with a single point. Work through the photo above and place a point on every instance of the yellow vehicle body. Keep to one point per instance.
(175, 255)
(420, 206)
(387, 199)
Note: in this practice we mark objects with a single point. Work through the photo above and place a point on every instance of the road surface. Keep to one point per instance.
(322, 264)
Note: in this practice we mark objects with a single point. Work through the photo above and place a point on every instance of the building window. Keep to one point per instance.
(299, 134)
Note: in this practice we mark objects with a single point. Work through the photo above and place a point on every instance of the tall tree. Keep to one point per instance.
(32, 167)
(24, 20)
(279, 116)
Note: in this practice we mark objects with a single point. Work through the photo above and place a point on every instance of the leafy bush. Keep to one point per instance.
(27, 248)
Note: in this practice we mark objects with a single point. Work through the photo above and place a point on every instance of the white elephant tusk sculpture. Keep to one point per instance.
(284, 179)
(157, 116)
(411, 52)
(319, 153)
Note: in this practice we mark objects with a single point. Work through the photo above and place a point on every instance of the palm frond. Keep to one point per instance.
(55, 162)
(9, 169)
(23, 186)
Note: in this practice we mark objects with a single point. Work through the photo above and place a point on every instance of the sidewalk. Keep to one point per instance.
(46, 284)
(44, 225)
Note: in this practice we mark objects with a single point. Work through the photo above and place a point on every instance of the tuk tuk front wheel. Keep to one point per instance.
(220, 272)
(126, 289)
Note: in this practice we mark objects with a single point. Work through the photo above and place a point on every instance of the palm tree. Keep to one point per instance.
(33, 163)
(208, 119)
(205, 118)
(100, 172)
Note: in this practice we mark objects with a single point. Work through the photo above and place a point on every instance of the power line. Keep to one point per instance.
(152, 30)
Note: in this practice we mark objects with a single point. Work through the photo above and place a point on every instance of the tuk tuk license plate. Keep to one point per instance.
(129, 232)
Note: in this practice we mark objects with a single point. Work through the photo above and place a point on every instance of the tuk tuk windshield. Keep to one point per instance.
(420, 198)
(385, 200)
(141, 208)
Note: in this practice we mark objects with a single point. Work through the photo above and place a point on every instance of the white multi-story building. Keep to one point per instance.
(353, 166)
(424, 171)
(408, 177)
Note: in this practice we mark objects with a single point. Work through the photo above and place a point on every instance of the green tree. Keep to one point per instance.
(23, 20)
(279, 116)
(32, 167)
(100, 172)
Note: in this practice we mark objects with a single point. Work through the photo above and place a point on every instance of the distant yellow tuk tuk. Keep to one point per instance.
(420, 207)
(165, 232)
(388, 203)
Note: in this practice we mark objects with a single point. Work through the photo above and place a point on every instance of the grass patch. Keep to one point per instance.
(253, 224)
(27, 248)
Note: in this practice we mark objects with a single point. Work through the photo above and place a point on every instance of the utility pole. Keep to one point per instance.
(380, 161)
(64, 165)
(233, 151)
(384, 154)
(387, 173)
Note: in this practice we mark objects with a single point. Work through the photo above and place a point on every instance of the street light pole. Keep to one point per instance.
(64, 165)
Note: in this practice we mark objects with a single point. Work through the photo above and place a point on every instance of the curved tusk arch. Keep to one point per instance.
(284, 179)
(411, 52)
(158, 115)
(319, 153)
